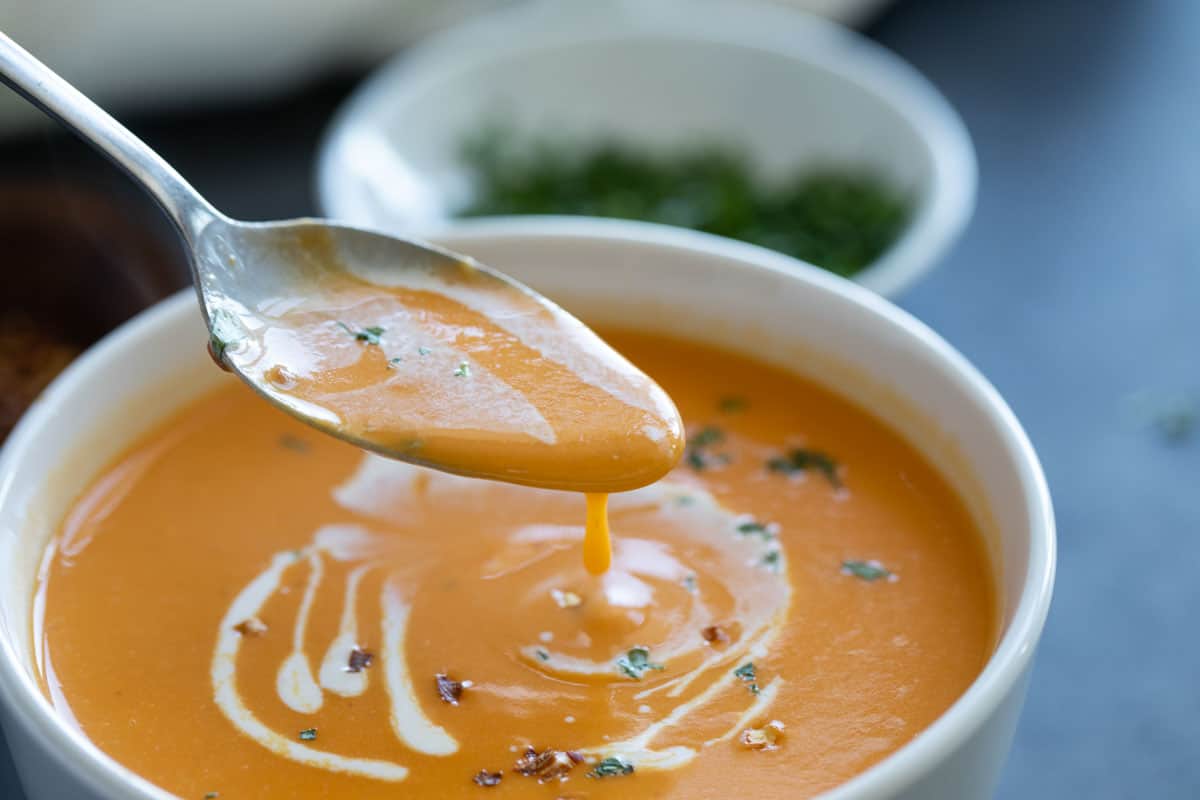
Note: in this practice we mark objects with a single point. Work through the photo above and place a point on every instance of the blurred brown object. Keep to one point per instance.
(77, 262)
(29, 360)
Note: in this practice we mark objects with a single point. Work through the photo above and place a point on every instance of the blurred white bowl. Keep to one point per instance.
(791, 89)
(133, 56)
(130, 55)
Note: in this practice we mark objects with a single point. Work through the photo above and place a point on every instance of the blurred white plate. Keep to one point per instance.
(133, 55)
(790, 88)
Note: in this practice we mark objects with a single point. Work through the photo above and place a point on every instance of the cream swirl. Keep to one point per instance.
(682, 564)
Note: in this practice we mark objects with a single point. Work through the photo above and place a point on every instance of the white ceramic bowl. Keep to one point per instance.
(652, 277)
(791, 89)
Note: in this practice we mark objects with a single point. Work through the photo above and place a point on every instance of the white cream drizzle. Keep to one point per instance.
(385, 490)
(761, 606)
(757, 710)
(637, 749)
(348, 542)
(294, 682)
(409, 723)
(247, 604)
(678, 685)
(335, 674)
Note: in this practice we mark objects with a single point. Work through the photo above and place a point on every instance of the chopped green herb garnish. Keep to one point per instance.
(542, 654)
(772, 560)
(225, 330)
(697, 456)
(636, 662)
(706, 436)
(689, 583)
(755, 528)
(611, 766)
(867, 570)
(839, 217)
(211, 795)
(700, 460)
(308, 734)
(800, 460)
(394, 362)
(423, 351)
(369, 335)
(684, 500)
(217, 346)
(732, 404)
(749, 675)
(463, 371)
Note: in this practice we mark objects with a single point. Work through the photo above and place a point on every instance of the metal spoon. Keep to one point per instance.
(245, 261)
(244, 272)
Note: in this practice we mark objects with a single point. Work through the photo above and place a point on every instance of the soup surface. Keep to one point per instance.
(242, 607)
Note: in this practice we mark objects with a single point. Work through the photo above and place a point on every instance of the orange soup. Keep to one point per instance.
(241, 607)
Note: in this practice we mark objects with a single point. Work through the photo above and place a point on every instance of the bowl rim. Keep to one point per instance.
(811, 42)
(1003, 671)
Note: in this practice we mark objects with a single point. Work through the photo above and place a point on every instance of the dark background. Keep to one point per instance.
(1076, 290)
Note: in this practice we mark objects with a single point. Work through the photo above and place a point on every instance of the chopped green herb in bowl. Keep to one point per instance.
(841, 219)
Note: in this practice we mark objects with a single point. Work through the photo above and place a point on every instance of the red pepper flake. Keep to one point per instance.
(485, 778)
(768, 737)
(721, 635)
(548, 764)
(359, 660)
(251, 627)
(450, 690)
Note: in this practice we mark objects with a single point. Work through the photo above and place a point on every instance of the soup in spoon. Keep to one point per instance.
(460, 371)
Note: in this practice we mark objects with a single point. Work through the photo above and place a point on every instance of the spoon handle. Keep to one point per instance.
(47, 90)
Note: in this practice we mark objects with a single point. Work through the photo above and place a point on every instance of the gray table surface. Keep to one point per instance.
(1076, 288)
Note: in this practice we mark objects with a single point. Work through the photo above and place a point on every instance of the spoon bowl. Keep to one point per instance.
(421, 354)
